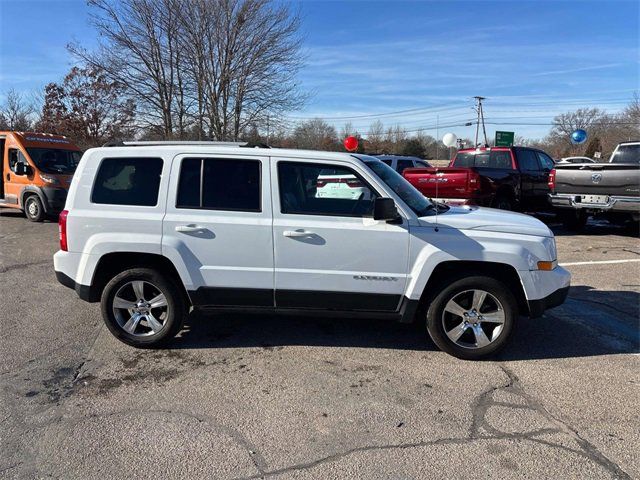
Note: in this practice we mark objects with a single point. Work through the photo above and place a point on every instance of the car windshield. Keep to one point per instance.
(412, 197)
(626, 154)
(55, 160)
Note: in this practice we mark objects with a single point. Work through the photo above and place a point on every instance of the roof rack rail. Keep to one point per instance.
(151, 143)
(147, 143)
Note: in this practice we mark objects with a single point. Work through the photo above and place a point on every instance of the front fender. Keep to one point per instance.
(428, 249)
(38, 191)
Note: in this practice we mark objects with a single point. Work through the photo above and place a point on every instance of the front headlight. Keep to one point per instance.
(550, 247)
(48, 179)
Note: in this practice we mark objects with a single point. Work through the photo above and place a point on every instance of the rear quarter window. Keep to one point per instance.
(128, 181)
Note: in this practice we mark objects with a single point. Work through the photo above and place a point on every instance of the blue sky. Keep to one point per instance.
(531, 59)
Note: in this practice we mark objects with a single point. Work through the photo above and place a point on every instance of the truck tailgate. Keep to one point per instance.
(598, 178)
(450, 182)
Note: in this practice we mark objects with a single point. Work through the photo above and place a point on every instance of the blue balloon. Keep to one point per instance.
(579, 136)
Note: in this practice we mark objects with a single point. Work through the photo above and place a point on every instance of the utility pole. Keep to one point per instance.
(480, 119)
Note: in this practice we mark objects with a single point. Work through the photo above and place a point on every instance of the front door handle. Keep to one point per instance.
(189, 228)
(297, 233)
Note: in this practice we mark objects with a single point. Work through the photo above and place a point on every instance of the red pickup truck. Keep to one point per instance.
(510, 178)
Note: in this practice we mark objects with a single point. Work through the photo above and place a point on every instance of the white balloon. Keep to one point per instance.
(450, 139)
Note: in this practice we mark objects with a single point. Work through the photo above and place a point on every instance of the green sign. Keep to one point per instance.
(504, 139)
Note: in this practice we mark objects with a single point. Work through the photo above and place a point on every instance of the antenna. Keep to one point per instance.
(478, 108)
(436, 205)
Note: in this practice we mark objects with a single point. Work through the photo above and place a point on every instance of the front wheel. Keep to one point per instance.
(472, 318)
(143, 308)
(33, 208)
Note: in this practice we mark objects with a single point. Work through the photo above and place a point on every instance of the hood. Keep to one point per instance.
(490, 220)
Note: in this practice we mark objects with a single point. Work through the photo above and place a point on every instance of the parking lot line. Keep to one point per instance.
(600, 262)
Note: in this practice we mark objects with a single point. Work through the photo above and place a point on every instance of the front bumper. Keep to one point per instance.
(614, 203)
(55, 198)
(545, 289)
(538, 307)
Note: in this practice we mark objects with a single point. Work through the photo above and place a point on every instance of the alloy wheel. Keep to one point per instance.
(140, 308)
(473, 319)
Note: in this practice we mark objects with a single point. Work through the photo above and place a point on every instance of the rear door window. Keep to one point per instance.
(219, 184)
(128, 181)
(528, 160)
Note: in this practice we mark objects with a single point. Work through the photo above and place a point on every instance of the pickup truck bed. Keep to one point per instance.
(449, 184)
(611, 189)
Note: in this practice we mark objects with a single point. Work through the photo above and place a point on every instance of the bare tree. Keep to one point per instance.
(395, 139)
(16, 112)
(315, 134)
(221, 66)
(375, 137)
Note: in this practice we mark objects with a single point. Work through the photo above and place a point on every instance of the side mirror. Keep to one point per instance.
(21, 169)
(385, 209)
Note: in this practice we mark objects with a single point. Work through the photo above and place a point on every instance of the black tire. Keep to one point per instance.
(34, 209)
(502, 202)
(573, 220)
(176, 307)
(436, 318)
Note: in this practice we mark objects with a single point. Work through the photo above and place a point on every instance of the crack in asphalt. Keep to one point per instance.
(483, 403)
(21, 266)
(588, 450)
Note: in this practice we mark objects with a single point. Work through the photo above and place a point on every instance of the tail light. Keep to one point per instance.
(62, 230)
(552, 180)
(474, 180)
(321, 183)
(353, 183)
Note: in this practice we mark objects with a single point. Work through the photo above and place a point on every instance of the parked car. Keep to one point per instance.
(35, 172)
(610, 190)
(332, 184)
(509, 178)
(400, 162)
(576, 160)
(151, 230)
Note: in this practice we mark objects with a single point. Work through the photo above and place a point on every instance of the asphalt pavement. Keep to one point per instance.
(290, 397)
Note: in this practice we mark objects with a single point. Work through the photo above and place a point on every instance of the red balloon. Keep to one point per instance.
(351, 144)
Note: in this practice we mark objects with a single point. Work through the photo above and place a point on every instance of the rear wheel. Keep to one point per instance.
(143, 308)
(33, 208)
(472, 318)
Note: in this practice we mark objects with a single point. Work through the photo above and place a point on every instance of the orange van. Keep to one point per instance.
(36, 170)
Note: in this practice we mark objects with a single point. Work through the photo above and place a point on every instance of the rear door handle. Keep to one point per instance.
(297, 233)
(189, 228)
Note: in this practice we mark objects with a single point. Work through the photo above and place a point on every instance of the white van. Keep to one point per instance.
(151, 230)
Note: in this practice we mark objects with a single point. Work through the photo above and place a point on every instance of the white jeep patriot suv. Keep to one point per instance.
(151, 230)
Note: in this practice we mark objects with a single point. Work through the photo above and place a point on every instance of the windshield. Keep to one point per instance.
(412, 197)
(55, 160)
(626, 154)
